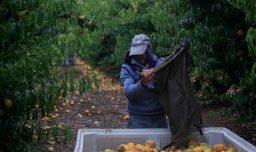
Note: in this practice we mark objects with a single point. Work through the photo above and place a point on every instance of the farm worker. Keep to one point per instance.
(137, 78)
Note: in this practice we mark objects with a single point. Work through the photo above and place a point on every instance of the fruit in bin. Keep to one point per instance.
(150, 146)
(198, 149)
(122, 148)
(205, 147)
(231, 149)
(173, 148)
(155, 150)
(203, 144)
(146, 149)
(130, 146)
(219, 147)
(208, 150)
(138, 147)
(150, 143)
(192, 143)
(188, 150)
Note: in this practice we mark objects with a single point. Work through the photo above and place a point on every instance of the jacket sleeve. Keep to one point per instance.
(132, 89)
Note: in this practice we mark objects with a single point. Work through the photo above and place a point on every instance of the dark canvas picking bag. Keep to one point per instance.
(176, 95)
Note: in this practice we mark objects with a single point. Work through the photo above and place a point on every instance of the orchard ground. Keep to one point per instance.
(106, 108)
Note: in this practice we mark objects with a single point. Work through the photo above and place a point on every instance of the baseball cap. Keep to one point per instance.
(139, 44)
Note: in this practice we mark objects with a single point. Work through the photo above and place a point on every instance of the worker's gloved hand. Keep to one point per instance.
(147, 75)
(185, 43)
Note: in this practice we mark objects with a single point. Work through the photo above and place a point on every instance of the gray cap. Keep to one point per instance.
(139, 44)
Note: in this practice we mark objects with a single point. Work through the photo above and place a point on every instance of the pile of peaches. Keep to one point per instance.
(193, 146)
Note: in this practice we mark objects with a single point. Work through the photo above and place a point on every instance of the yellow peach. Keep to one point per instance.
(150, 143)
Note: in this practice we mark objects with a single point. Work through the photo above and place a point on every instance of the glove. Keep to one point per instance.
(185, 43)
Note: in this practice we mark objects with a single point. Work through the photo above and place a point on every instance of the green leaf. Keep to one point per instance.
(67, 134)
(251, 40)
(72, 85)
(96, 81)
(64, 88)
(253, 73)
(39, 132)
(55, 133)
(89, 83)
(82, 85)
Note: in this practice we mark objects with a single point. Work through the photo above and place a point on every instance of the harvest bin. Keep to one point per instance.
(97, 140)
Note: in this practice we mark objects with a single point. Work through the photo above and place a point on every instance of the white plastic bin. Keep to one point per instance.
(97, 140)
(70, 60)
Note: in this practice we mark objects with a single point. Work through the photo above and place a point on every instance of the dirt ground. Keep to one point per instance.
(106, 108)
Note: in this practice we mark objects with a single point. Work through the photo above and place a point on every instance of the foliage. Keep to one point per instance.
(35, 36)
(222, 50)
(243, 98)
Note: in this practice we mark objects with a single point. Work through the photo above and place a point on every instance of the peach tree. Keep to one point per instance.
(34, 36)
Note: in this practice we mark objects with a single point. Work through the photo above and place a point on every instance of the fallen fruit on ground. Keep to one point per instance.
(86, 112)
(50, 149)
(79, 115)
(45, 119)
(51, 142)
(126, 117)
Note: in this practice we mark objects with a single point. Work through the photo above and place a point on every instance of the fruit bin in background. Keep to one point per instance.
(70, 60)
(96, 140)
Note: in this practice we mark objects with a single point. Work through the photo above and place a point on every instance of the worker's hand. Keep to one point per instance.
(185, 43)
(147, 75)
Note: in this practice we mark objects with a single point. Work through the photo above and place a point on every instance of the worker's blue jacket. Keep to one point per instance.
(141, 100)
